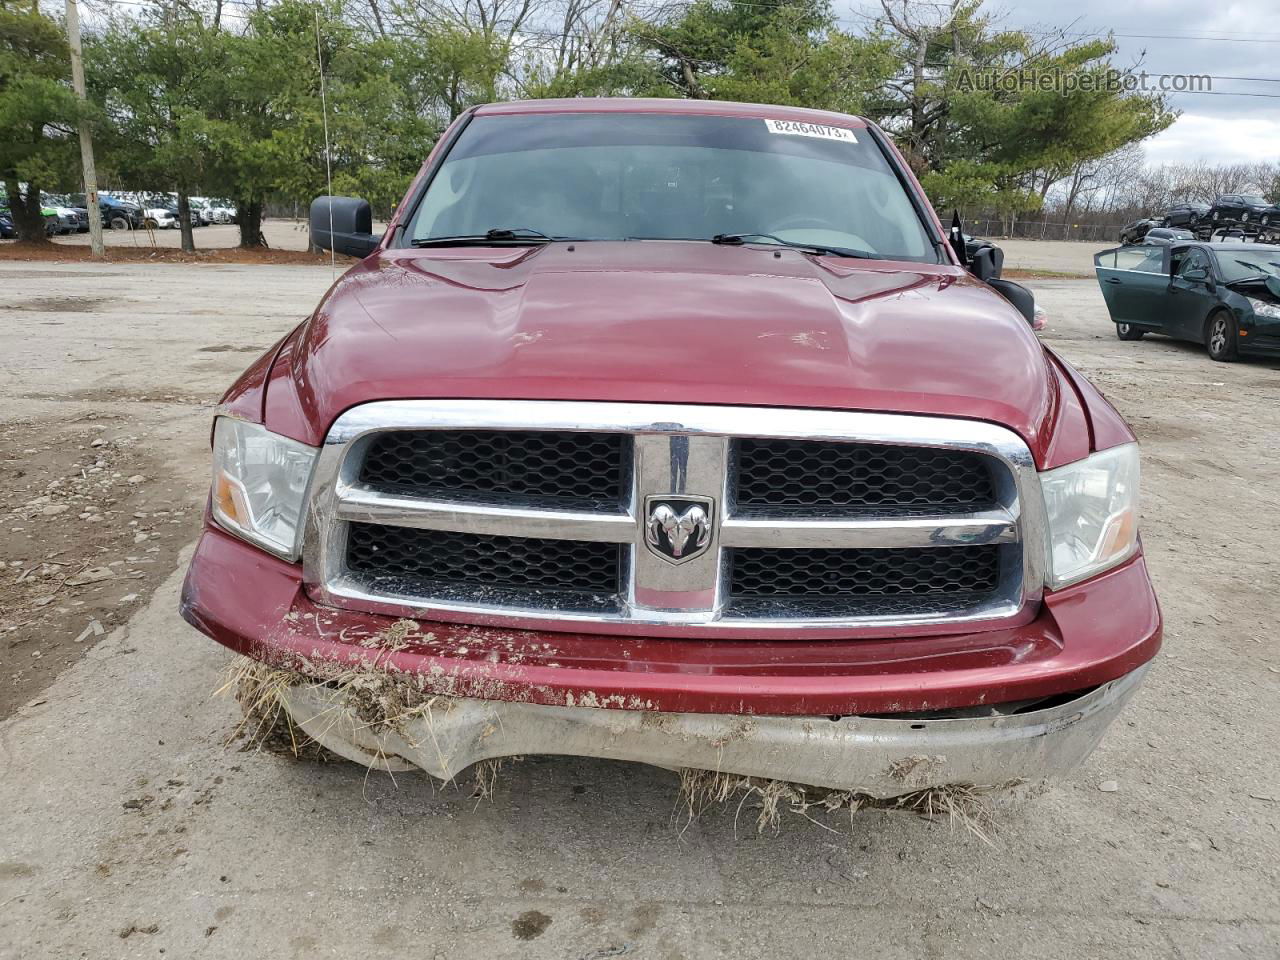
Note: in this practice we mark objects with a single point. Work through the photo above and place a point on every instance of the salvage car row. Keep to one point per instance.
(68, 213)
(160, 210)
(1243, 215)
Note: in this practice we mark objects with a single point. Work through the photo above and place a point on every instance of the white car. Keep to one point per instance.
(160, 218)
(221, 212)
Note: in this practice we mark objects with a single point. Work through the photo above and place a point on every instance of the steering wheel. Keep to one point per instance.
(799, 222)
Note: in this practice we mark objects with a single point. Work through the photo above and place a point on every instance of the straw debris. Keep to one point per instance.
(385, 701)
(964, 805)
(265, 723)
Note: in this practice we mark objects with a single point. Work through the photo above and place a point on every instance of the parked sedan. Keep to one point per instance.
(65, 218)
(1167, 235)
(1244, 208)
(1135, 231)
(1223, 295)
(6, 228)
(160, 218)
(72, 217)
(1185, 214)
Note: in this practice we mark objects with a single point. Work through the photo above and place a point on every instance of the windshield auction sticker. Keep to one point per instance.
(797, 128)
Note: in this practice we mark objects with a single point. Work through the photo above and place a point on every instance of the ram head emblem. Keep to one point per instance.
(676, 528)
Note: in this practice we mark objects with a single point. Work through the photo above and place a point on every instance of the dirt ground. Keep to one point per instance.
(130, 830)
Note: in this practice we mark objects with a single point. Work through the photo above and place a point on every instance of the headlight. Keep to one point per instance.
(1264, 309)
(260, 485)
(1092, 508)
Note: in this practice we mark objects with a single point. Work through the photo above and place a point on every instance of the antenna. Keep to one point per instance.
(328, 165)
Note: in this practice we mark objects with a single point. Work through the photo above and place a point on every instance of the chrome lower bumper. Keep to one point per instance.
(878, 757)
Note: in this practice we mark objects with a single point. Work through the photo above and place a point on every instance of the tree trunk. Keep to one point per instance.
(691, 81)
(918, 124)
(184, 222)
(250, 220)
(28, 222)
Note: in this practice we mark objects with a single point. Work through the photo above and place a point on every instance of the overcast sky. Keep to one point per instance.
(1233, 38)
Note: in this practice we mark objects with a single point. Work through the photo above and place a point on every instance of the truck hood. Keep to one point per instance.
(658, 321)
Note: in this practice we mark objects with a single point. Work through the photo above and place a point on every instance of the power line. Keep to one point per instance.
(1219, 37)
(1177, 36)
(1210, 76)
(1219, 93)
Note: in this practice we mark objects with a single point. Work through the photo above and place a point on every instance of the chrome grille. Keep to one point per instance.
(542, 514)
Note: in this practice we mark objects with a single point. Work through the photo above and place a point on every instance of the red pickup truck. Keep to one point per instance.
(679, 432)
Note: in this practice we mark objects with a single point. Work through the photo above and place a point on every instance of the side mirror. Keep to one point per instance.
(1022, 298)
(344, 225)
(1196, 274)
(986, 261)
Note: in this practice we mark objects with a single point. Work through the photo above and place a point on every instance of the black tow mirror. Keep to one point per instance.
(986, 261)
(344, 225)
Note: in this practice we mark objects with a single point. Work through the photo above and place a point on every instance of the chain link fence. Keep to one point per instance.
(1003, 229)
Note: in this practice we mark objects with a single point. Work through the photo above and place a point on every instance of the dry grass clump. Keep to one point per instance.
(378, 699)
(265, 723)
(963, 805)
(486, 778)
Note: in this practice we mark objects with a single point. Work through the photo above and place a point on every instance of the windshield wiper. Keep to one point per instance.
(496, 236)
(737, 239)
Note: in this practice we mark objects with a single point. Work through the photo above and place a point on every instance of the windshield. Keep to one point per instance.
(599, 176)
(1239, 264)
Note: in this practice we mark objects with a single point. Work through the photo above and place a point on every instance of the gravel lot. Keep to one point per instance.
(131, 831)
(280, 234)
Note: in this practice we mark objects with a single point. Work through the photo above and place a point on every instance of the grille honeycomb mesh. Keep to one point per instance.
(793, 476)
(438, 563)
(583, 471)
(919, 578)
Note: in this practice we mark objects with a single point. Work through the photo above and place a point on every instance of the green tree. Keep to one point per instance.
(38, 112)
(265, 114)
(1036, 137)
(774, 51)
(969, 111)
(153, 78)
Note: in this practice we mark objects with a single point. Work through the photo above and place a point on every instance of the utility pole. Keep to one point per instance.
(86, 140)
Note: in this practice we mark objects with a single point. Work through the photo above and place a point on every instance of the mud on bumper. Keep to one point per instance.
(910, 712)
(874, 756)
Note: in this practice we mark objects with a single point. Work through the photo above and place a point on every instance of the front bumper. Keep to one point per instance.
(1082, 637)
(874, 756)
